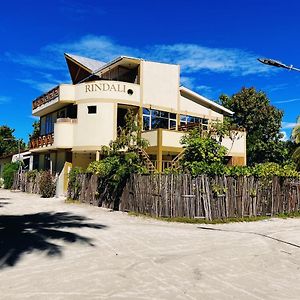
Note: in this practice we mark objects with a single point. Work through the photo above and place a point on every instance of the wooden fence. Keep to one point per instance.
(26, 183)
(88, 188)
(211, 198)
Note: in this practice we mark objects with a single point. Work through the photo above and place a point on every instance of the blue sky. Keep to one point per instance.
(215, 42)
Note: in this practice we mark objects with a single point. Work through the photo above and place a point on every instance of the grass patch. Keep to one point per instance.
(216, 221)
(72, 201)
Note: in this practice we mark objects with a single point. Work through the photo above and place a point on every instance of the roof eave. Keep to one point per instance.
(227, 111)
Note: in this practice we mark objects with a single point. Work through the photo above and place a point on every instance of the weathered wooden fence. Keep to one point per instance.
(91, 189)
(25, 183)
(211, 198)
(28, 182)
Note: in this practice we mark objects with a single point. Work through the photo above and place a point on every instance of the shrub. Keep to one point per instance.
(47, 186)
(9, 171)
(74, 186)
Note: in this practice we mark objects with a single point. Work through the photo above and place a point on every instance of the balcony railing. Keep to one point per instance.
(42, 141)
(47, 97)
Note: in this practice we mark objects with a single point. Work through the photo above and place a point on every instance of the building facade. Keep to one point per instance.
(77, 119)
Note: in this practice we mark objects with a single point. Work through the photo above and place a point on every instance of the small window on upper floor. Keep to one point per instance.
(92, 109)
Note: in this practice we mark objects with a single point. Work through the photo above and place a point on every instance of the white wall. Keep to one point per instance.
(95, 129)
(171, 138)
(160, 84)
(237, 145)
(190, 107)
(151, 137)
(107, 90)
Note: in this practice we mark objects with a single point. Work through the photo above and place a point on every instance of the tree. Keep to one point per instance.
(36, 130)
(8, 142)
(296, 139)
(262, 121)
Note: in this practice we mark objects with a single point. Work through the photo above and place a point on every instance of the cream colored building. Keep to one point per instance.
(78, 119)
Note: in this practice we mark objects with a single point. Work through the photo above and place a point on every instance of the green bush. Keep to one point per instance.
(9, 171)
(260, 170)
(47, 186)
(74, 186)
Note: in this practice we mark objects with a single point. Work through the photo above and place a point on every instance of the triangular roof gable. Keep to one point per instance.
(81, 67)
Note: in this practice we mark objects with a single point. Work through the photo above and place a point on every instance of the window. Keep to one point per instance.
(49, 126)
(62, 113)
(153, 119)
(185, 120)
(92, 109)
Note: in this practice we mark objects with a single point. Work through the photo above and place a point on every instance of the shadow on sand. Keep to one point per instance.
(21, 234)
(3, 202)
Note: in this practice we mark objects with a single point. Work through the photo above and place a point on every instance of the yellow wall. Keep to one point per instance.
(82, 159)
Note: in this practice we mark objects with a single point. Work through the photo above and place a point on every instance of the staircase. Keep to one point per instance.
(148, 163)
(175, 161)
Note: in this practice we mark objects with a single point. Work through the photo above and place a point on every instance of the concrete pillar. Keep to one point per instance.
(31, 162)
(97, 155)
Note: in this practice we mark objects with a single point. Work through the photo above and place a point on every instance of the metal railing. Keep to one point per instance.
(42, 141)
(45, 98)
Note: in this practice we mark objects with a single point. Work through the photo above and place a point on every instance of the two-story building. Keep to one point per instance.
(77, 119)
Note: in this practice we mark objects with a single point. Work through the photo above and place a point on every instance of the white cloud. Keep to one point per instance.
(4, 99)
(288, 100)
(288, 125)
(38, 85)
(193, 58)
(284, 136)
(34, 117)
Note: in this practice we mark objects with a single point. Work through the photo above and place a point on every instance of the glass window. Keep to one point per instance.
(146, 122)
(146, 111)
(49, 124)
(172, 124)
(153, 119)
(172, 116)
(92, 109)
(164, 114)
(159, 123)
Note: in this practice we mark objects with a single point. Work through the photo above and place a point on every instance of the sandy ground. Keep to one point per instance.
(52, 250)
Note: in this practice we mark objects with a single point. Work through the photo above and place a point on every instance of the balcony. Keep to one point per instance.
(63, 133)
(46, 98)
(169, 141)
(42, 141)
(60, 96)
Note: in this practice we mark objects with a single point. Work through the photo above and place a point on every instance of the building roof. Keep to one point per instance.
(81, 67)
(201, 99)
(91, 64)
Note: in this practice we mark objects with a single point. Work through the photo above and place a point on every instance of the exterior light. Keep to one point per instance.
(276, 63)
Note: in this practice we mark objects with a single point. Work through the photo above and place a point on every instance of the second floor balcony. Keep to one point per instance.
(64, 94)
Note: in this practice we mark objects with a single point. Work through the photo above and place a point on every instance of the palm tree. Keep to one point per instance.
(296, 139)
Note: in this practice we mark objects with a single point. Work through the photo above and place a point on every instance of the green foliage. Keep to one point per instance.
(262, 121)
(273, 169)
(74, 186)
(129, 137)
(201, 149)
(47, 186)
(9, 171)
(258, 170)
(296, 139)
(31, 175)
(121, 160)
(8, 143)
(35, 131)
